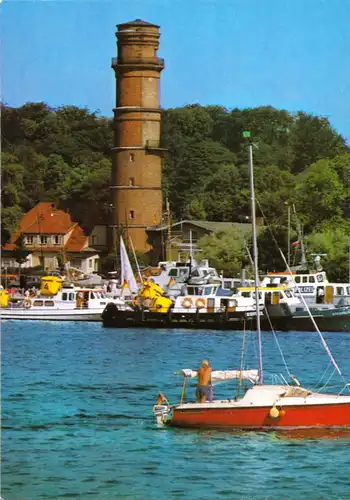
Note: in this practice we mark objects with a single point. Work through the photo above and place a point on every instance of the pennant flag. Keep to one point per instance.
(125, 284)
(171, 281)
(161, 398)
(296, 244)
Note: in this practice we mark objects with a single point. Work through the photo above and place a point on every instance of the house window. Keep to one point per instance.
(131, 157)
(57, 239)
(43, 240)
(131, 214)
(131, 181)
(29, 240)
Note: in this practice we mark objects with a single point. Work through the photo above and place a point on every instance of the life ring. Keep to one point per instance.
(27, 304)
(187, 302)
(201, 303)
(231, 305)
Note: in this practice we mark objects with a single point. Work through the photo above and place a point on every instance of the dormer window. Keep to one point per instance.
(57, 239)
(29, 239)
(43, 239)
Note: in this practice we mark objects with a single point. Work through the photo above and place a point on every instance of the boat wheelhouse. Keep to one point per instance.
(313, 286)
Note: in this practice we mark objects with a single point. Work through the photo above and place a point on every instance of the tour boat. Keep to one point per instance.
(69, 304)
(263, 406)
(57, 301)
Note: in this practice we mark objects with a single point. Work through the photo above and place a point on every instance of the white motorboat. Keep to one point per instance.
(68, 304)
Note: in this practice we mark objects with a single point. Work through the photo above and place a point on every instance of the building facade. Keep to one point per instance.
(136, 197)
(49, 238)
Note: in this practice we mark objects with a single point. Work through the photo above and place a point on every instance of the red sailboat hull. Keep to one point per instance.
(294, 416)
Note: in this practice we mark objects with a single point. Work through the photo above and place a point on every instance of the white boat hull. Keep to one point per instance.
(53, 315)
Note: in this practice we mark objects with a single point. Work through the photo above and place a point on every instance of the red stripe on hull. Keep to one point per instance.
(305, 416)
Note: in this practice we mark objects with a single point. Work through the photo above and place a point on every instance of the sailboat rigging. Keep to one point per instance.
(263, 406)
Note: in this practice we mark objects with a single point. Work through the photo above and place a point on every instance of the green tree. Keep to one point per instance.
(225, 251)
(334, 243)
(312, 139)
(319, 194)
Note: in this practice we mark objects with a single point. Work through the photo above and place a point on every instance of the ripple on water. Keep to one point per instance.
(77, 418)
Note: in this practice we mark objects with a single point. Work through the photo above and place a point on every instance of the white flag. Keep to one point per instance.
(126, 275)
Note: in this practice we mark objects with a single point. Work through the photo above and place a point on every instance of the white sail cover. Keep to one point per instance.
(126, 275)
(223, 375)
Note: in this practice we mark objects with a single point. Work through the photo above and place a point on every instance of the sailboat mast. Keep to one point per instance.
(255, 254)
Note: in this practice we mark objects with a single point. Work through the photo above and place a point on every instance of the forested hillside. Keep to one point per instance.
(63, 155)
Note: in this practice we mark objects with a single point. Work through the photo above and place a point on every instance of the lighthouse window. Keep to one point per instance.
(131, 181)
(131, 157)
(131, 214)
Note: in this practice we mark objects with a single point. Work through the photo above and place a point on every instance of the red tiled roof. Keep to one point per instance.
(44, 218)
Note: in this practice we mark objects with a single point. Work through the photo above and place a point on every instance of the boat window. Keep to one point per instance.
(288, 294)
(183, 272)
(227, 284)
(305, 279)
(245, 294)
(92, 295)
(348, 290)
(320, 278)
(195, 273)
(297, 279)
(38, 303)
(312, 279)
(64, 296)
(103, 295)
(173, 272)
(208, 290)
(71, 296)
(49, 303)
(339, 290)
(190, 290)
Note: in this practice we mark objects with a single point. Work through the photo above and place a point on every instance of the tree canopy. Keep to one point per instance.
(64, 155)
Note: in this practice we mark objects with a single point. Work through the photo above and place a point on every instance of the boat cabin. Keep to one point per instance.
(209, 298)
(313, 286)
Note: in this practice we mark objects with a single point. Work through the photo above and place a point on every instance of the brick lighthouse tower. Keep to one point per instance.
(137, 155)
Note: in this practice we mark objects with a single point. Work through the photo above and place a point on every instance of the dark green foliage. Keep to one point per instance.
(63, 155)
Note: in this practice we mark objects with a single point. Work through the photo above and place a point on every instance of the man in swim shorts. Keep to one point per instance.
(204, 388)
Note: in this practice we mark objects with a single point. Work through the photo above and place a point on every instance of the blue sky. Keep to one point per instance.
(291, 54)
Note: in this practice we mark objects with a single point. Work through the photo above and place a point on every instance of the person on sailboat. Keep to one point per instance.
(204, 391)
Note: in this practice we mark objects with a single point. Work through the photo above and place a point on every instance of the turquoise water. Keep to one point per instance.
(77, 417)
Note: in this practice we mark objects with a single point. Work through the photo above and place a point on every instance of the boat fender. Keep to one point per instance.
(27, 304)
(274, 413)
(201, 303)
(187, 302)
(282, 412)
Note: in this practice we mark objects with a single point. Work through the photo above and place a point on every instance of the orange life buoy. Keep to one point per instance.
(187, 302)
(201, 303)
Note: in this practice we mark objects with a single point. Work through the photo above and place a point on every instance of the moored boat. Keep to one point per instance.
(57, 302)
